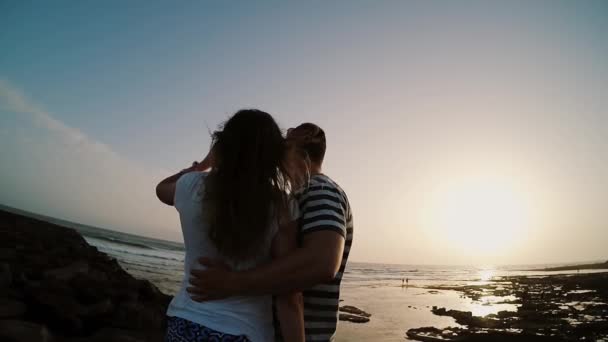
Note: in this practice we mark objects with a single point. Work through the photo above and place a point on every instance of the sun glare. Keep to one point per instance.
(486, 275)
(480, 216)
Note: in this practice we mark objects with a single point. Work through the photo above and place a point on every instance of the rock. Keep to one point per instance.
(69, 289)
(544, 313)
(506, 314)
(426, 334)
(148, 290)
(462, 317)
(6, 276)
(353, 314)
(136, 316)
(439, 311)
(353, 318)
(114, 335)
(354, 310)
(8, 254)
(11, 308)
(61, 312)
(104, 307)
(68, 272)
(21, 331)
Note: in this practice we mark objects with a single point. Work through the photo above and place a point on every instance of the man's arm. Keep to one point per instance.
(323, 228)
(290, 306)
(317, 261)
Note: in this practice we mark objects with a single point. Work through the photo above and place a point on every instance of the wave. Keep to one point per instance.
(125, 251)
(154, 267)
(120, 241)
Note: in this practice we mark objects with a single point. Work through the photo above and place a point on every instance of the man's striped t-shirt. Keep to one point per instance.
(324, 207)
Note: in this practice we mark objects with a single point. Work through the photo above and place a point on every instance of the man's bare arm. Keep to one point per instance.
(317, 261)
(289, 306)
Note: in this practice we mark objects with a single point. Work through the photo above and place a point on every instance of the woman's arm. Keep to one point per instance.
(165, 190)
(290, 307)
(207, 163)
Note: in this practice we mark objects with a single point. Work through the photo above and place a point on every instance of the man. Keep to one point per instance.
(316, 267)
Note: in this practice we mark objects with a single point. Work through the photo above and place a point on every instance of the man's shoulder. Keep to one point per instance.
(322, 186)
(322, 181)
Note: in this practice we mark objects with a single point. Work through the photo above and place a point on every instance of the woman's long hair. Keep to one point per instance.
(249, 183)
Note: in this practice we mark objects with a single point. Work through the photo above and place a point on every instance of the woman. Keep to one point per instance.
(239, 213)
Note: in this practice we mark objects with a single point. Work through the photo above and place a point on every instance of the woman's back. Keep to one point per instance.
(230, 215)
(251, 316)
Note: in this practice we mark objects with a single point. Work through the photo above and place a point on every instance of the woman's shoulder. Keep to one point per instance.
(189, 184)
(190, 177)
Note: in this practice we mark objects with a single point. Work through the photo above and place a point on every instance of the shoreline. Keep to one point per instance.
(594, 266)
(55, 286)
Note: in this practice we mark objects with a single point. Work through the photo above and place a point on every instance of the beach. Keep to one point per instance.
(436, 297)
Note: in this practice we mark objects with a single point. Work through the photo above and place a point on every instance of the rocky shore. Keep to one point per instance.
(596, 266)
(56, 287)
(550, 308)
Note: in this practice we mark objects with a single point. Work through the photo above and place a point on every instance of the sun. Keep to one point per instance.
(486, 216)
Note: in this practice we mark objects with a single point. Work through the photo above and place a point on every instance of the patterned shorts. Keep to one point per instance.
(181, 330)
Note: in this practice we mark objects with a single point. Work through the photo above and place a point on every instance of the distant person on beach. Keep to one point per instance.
(316, 267)
(240, 213)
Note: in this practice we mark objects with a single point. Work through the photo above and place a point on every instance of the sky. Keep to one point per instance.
(463, 132)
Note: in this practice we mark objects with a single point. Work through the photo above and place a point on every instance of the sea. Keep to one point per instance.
(376, 288)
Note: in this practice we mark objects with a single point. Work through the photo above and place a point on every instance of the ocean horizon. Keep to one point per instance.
(148, 242)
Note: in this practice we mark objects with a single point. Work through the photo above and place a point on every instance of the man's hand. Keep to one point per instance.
(215, 282)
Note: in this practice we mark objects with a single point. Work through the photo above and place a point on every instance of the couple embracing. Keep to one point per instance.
(267, 236)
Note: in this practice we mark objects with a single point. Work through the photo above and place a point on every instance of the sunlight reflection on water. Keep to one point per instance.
(486, 275)
(484, 309)
(487, 305)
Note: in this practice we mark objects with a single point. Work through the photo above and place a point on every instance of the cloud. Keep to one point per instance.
(55, 169)
(14, 100)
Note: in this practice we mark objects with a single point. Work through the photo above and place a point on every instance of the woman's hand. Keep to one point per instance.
(194, 167)
(206, 163)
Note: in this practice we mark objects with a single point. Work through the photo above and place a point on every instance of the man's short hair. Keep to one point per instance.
(314, 143)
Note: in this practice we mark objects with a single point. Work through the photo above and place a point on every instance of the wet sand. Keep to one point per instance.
(395, 310)
(551, 308)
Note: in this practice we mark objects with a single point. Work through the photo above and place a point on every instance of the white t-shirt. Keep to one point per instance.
(240, 315)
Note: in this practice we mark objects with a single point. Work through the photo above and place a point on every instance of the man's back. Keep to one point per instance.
(324, 207)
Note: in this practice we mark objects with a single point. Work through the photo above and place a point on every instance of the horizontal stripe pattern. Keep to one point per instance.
(324, 207)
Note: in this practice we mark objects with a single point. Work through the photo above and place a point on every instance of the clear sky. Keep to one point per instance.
(464, 132)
